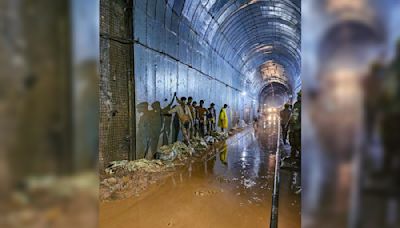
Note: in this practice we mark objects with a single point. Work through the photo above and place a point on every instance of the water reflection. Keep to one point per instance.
(223, 155)
(245, 166)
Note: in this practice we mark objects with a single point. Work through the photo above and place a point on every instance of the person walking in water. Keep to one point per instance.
(223, 118)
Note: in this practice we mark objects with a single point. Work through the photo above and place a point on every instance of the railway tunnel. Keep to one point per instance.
(245, 54)
(233, 52)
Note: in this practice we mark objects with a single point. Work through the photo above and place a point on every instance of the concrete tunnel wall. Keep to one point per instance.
(171, 57)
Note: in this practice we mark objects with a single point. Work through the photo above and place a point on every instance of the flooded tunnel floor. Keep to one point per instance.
(229, 188)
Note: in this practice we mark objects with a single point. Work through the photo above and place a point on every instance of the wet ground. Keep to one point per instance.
(228, 187)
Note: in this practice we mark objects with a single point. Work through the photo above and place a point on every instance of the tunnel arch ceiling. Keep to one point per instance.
(213, 50)
(241, 34)
(258, 32)
(246, 33)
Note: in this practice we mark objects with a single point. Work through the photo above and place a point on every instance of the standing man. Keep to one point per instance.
(295, 128)
(166, 132)
(223, 118)
(211, 117)
(184, 116)
(192, 112)
(390, 118)
(201, 115)
(285, 117)
(372, 86)
(195, 119)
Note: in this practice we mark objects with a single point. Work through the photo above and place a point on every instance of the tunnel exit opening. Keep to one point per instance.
(274, 96)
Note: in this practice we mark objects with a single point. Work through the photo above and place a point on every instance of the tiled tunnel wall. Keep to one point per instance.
(171, 56)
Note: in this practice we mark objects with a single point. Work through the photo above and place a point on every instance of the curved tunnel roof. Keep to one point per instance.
(249, 33)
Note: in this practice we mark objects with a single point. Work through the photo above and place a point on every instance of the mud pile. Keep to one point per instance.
(199, 144)
(124, 166)
(125, 186)
(178, 150)
(215, 137)
(219, 136)
(123, 179)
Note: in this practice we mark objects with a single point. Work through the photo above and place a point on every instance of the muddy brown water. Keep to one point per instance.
(229, 187)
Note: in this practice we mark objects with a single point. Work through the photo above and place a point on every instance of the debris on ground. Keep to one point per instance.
(122, 187)
(124, 179)
(207, 192)
(248, 183)
(242, 124)
(223, 179)
(215, 137)
(199, 144)
(176, 150)
(209, 140)
(219, 136)
(149, 166)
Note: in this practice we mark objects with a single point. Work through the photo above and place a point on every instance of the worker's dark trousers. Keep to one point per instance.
(210, 127)
(284, 130)
(295, 142)
(391, 144)
(201, 129)
(196, 130)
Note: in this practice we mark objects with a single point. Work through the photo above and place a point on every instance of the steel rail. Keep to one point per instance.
(275, 192)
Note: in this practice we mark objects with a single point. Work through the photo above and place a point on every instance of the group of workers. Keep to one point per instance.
(291, 123)
(196, 120)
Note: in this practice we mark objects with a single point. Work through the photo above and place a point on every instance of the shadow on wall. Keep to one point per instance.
(154, 129)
